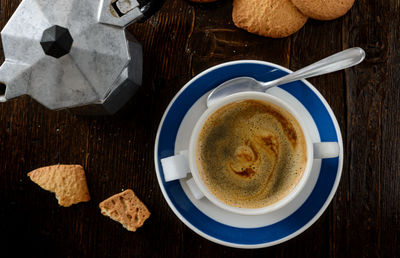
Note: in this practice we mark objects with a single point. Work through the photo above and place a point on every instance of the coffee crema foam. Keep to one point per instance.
(251, 153)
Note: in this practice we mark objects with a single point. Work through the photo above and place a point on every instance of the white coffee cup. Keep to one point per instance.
(178, 166)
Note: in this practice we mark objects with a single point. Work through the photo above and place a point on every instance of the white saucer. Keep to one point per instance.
(222, 226)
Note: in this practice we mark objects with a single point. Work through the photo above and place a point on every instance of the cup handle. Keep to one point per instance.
(177, 167)
(197, 193)
(325, 150)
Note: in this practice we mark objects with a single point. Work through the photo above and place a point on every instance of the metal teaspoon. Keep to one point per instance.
(333, 63)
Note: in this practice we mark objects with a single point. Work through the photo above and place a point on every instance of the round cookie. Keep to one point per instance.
(324, 9)
(271, 18)
(202, 1)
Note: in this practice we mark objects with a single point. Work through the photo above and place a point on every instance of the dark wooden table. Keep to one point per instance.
(182, 40)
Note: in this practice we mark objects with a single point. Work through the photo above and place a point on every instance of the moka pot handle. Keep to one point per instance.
(149, 8)
(121, 13)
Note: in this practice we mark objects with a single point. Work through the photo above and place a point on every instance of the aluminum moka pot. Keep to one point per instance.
(74, 54)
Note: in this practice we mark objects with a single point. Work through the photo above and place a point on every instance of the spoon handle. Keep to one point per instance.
(333, 63)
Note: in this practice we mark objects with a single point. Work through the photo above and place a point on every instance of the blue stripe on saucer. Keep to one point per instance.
(221, 231)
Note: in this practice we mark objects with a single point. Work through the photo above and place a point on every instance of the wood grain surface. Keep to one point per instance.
(179, 42)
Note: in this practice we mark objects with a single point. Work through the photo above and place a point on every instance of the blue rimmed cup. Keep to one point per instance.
(179, 166)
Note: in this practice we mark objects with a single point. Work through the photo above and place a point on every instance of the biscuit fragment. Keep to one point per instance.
(324, 9)
(126, 209)
(271, 18)
(68, 182)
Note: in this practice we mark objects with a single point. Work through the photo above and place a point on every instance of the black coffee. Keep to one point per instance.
(251, 153)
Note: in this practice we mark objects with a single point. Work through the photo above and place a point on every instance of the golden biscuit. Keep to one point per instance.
(68, 182)
(126, 209)
(202, 1)
(271, 18)
(324, 9)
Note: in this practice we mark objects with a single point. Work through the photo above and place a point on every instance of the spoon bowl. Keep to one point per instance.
(232, 86)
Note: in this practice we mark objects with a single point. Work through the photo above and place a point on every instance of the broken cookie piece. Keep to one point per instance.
(68, 182)
(126, 209)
